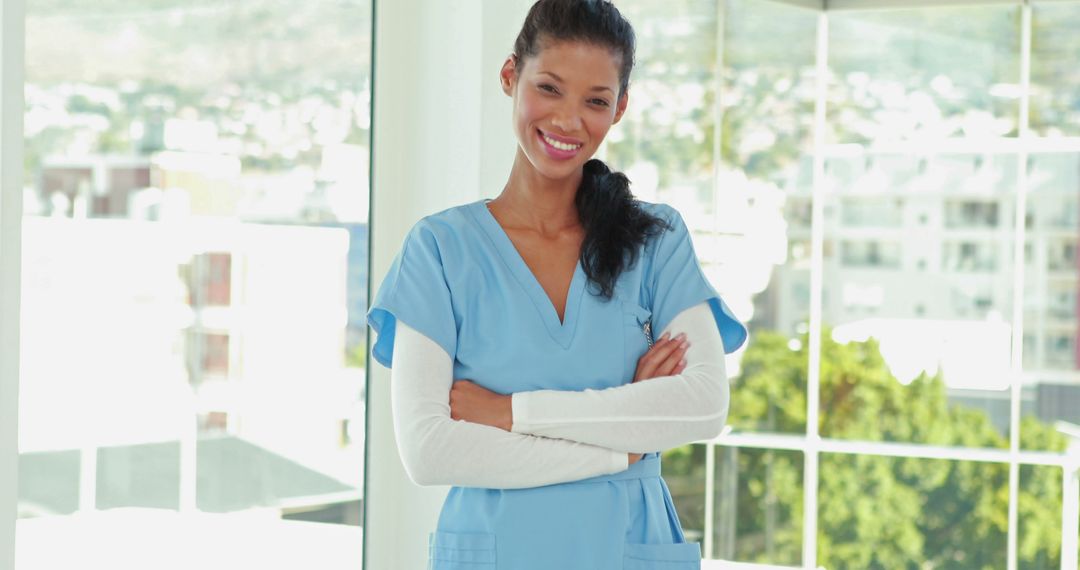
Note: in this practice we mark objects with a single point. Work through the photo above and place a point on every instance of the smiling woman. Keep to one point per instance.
(546, 94)
(519, 331)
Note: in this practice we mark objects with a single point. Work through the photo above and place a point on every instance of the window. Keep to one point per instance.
(195, 254)
(208, 354)
(969, 257)
(970, 214)
(870, 254)
(1061, 255)
(208, 278)
(871, 213)
(904, 372)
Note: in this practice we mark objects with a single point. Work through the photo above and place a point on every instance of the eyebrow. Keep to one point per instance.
(595, 87)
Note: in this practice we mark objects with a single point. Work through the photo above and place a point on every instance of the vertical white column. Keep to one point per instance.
(1070, 512)
(189, 460)
(817, 268)
(441, 137)
(1019, 239)
(718, 133)
(710, 502)
(88, 477)
(12, 23)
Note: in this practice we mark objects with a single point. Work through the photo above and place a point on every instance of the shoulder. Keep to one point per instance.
(444, 236)
(659, 209)
(672, 243)
(444, 222)
(673, 220)
(443, 229)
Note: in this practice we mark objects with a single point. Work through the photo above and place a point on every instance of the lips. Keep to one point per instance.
(559, 148)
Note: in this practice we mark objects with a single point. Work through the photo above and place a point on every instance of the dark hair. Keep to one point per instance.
(615, 224)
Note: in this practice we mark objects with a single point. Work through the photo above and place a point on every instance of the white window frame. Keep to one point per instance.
(12, 24)
(811, 444)
(12, 47)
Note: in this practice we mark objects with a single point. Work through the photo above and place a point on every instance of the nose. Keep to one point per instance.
(567, 119)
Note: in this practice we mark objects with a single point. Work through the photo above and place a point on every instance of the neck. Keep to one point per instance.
(544, 205)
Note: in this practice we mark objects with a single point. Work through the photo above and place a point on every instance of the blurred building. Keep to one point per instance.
(107, 186)
(177, 184)
(919, 253)
(232, 329)
(96, 186)
(210, 180)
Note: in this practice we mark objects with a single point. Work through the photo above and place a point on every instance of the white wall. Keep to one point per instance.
(441, 137)
(12, 23)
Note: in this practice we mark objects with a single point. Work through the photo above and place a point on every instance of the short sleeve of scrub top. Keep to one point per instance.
(676, 282)
(414, 292)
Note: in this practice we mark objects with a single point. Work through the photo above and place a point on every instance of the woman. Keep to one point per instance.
(519, 331)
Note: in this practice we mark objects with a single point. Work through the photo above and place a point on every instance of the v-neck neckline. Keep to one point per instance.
(561, 331)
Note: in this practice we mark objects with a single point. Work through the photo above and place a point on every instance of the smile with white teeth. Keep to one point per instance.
(559, 145)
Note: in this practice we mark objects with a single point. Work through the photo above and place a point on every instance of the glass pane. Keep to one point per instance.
(1039, 524)
(884, 512)
(758, 501)
(759, 505)
(763, 202)
(684, 473)
(924, 74)
(919, 210)
(1055, 84)
(664, 141)
(1051, 285)
(917, 297)
(768, 88)
(194, 261)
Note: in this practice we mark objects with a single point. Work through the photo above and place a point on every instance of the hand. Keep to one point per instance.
(474, 403)
(666, 357)
(635, 457)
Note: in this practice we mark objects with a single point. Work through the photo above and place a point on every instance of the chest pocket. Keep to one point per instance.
(637, 336)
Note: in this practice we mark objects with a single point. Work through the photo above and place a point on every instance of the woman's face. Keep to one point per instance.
(566, 97)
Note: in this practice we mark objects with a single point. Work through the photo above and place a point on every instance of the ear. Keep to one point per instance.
(620, 107)
(508, 74)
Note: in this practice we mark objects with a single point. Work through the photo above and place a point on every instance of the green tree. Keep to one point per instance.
(874, 512)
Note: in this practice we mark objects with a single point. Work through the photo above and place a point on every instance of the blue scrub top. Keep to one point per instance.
(460, 281)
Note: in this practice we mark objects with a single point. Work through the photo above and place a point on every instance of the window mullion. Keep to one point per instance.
(717, 167)
(12, 25)
(1019, 237)
(817, 240)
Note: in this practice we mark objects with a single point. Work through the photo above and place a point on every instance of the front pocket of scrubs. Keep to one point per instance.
(461, 551)
(681, 556)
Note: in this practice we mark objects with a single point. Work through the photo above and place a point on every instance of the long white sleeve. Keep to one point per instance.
(438, 450)
(650, 415)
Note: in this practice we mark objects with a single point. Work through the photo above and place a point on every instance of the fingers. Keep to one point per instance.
(649, 362)
(666, 357)
(676, 357)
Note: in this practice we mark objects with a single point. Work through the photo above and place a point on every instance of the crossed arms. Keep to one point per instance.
(556, 436)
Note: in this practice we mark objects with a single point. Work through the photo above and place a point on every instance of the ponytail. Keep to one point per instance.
(615, 225)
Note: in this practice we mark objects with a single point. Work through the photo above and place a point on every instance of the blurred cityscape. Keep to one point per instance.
(194, 276)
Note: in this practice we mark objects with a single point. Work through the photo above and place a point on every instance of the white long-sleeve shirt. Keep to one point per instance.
(556, 436)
